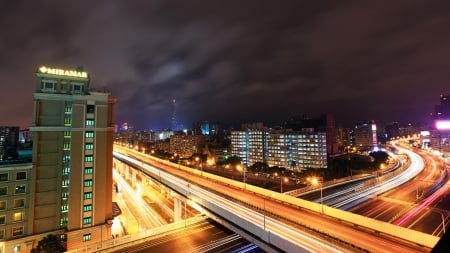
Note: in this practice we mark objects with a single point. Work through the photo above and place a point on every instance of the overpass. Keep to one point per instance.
(282, 222)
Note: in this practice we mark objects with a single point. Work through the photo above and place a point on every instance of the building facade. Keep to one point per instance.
(366, 135)
(70, 188)
(294, 150)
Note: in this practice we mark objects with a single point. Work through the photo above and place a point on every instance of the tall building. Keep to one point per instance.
(71, 180)
(365, 135)
(9, 142)
(440, 135)
(294, 150)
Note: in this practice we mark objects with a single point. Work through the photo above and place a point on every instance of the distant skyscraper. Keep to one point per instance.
(71, 180)
(440, 135)
(174, 116)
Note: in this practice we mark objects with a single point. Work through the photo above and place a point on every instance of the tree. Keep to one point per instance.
(49, 244)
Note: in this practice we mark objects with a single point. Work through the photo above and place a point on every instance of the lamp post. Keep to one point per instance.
(316, 181)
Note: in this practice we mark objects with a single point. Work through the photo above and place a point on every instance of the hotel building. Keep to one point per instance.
(70, 188)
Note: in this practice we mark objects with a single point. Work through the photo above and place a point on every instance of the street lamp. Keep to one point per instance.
(239, 168)
(281, 183)
(316, 181)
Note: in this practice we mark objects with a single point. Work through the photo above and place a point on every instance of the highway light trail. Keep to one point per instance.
(198, 194)
(417, 165)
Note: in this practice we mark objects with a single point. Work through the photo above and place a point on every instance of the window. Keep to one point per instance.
(2, 234)
(88, 195)
(67, 122)
(86, 237)
(3, 205)
(17, 216)
(48, 85)
(17, 231)
(68, 109)
(63, 238)
(63, 221)
(3, 190)
(87, 220)
(66, 171)
(2, 219)
(88, 183)
(67, 134)
(65, 183)
(89, 146)
(19, 203)
(66, 146)
(64, 208)
(90, 109)
(21, 175)
(66, 159)
(88, 170)
(4, 176)
(77, 88)
(89, 158)
(90, 122)
(65, 195)
(89, 134)
(87, 208)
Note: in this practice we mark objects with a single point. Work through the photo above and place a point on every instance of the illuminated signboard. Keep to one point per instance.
(443, 124)
(62, 72)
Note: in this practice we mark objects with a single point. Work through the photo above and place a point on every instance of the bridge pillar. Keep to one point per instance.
(178, 206)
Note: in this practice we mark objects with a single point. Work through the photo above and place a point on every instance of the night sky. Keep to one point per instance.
(233, 61)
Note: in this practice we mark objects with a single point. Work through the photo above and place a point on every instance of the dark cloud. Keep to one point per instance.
(233, 61)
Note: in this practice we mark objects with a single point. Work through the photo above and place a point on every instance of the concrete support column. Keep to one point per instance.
(178, 205)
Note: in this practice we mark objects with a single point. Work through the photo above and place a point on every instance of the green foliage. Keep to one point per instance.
(49, 244)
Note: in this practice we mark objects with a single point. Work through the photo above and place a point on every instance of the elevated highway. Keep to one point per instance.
(283, 222)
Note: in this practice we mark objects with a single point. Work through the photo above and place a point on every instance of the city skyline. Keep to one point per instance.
(233, 62)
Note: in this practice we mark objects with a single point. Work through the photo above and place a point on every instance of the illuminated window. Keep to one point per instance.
(17, 231)
(63, 221)
(17, 216)
(88, 183)
(88, 195)
(89, 134)
(66, 146)
(66, 171)
(87, 220)
(20, 189)
(88, 170)
(87, 208)
(2, 219)
(86, 237)
(65, 195)
(67, 134)
(68, 109)
(19, 203)
(90, 122)
(89, 158)
(65, 183)
(89, 146)
(3, 205)
(67, 122)
(65, 208)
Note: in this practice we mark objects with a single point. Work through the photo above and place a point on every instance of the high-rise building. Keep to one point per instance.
(440, 135)
(366, 135)
(71, 180)
(9, 142)
(294, 150)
